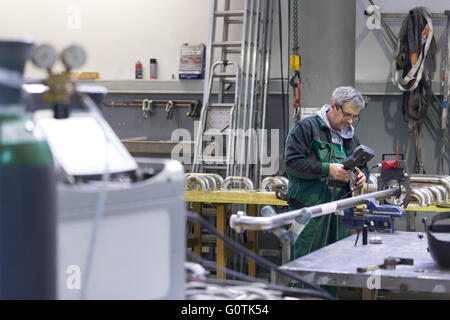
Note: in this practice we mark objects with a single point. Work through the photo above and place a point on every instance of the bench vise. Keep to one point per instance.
(378, 218)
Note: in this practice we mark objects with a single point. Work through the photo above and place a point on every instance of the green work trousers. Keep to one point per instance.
(313, 237)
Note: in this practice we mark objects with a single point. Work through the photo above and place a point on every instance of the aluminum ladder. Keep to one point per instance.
(249, 59)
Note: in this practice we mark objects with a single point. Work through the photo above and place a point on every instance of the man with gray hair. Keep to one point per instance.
(315, 148)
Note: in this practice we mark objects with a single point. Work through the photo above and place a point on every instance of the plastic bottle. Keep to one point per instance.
(153, 72)
(138, 70)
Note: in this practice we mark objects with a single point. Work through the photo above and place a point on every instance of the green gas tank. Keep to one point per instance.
(27, 189)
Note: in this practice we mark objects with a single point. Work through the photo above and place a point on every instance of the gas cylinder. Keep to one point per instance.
(27, 189)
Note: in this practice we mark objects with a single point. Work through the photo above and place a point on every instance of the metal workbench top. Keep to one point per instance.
(336, 265)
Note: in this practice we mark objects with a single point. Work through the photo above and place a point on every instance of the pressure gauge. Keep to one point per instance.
(73, 57)
(44, 56)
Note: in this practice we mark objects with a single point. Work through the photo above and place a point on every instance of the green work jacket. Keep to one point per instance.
(308, 155)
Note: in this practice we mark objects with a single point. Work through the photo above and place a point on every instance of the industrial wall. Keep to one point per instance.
(117, 33)
(374, 52)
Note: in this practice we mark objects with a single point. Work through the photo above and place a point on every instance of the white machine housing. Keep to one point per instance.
(140, 246)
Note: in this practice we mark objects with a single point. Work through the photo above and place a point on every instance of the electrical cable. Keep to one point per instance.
(292, 291)
(101, 202)
(283, 105)
(370, 172)
(249, 254)
(213, 266)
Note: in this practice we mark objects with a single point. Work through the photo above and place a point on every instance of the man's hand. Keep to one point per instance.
(360, 177)
(338, 172)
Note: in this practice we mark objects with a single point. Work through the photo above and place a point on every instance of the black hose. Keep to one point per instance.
(283, 104)
(213, 266)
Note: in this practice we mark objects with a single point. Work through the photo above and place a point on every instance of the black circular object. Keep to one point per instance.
(438, 248)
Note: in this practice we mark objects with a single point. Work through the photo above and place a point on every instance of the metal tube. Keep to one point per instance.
(437, 193)
(248, 183)
(252, 96)
(249, 47)
(199, 180)
(443, 191)
(429, 194)
(266, 81)
(419, 195)
(216, 179)
(431, 179)
(269, 182)
(240, 220)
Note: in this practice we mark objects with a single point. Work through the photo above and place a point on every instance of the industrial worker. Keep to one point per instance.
(315, 149)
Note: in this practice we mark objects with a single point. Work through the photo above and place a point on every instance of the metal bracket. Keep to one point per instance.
(147, 108)
(193, 110)
(169, 109)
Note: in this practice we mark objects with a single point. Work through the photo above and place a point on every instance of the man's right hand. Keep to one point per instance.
(338, 172)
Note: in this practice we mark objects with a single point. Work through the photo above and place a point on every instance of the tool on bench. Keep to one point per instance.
(372, 217)
(389, 263)
(380, 218)
(377, 217)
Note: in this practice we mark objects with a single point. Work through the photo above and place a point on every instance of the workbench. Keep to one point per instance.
(221, 199)
(239, 196)
(336, 264)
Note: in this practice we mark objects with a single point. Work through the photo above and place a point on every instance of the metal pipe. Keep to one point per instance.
(444, 180)
(419, 199)
(266, 81)
(240, 220)
(437, 193)
(269, 182)
(419, 195)
(443, 191)
(211, 182)
(372, 179)
(284, 179)
(249, 48)
(228, 181)
(429, 194)
(199, 180)
(372, 187)
(218, 178)
(252, 99)
(214, 179)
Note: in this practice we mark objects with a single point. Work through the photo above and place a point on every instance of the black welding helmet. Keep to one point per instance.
(439, 239)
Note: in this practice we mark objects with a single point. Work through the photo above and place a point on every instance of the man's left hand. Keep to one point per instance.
(360, 177)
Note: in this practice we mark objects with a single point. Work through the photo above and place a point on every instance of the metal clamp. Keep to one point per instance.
(296, 115)
(147, 108)
(169, 109)
(193, 110)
